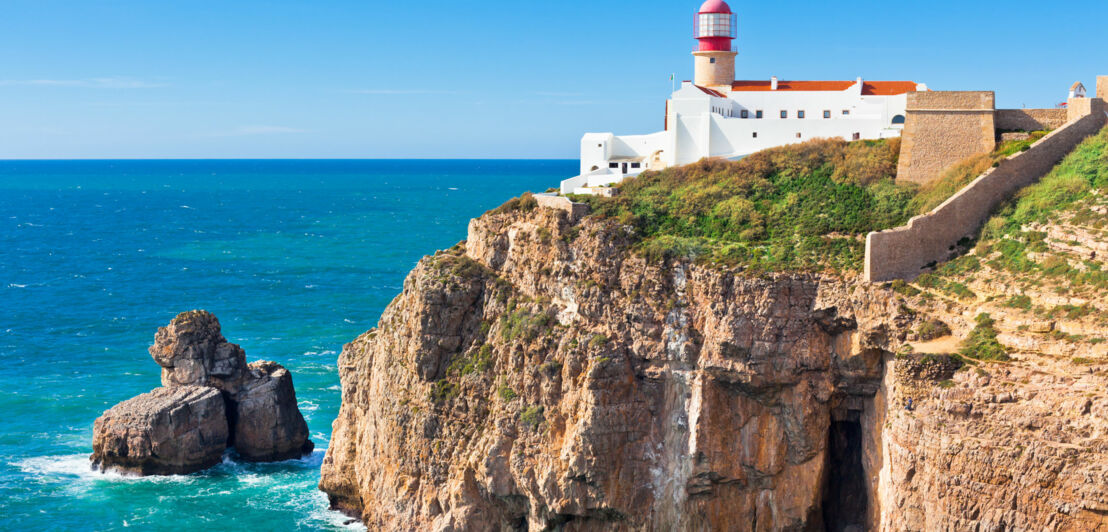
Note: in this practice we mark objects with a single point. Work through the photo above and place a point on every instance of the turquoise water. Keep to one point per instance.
(294, 257)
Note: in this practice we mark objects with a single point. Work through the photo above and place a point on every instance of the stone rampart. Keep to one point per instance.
(576, 211)
(1030, 119)
(903, 252)
(1102, 87)
(943, 128)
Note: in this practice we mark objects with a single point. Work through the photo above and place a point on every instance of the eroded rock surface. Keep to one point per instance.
(168, 431)
(257, 406)
(542, 376)
(269, 425)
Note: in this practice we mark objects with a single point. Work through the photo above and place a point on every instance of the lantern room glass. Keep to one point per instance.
(716, 25)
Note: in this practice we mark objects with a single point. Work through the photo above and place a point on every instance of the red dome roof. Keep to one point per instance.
(715, 6)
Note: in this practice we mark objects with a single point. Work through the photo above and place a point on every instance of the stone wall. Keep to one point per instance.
(576, 211)
(1030, 119)
(903, 252)
(943, 128)
(1102, 87)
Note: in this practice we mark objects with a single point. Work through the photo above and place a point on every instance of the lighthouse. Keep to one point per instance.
(715, 30)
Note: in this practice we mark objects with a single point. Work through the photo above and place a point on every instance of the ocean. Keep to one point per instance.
(294, 257)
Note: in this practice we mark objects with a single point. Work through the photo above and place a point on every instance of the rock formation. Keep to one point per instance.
(211, 399)
(168, 431)
(542, 376)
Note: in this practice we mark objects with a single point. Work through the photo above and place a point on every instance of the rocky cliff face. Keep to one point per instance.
(543, 376)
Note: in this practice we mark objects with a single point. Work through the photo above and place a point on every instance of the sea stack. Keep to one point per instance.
(210, 399)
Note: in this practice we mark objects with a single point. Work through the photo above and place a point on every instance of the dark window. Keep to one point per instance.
(798, 135)
(757, 114)
(712, 60)
(599, 145)
(755, 134)
(800, 114)
(635, 165)
(857, 136)
(846, 112)
(784, 114)
(898, 119)
(827, 114)
(613, 165)
(745, 113)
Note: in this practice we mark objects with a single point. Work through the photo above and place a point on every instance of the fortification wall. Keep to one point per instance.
(1102, 87)
(1030, 119)
(903, 252)
(943, 128)
(576, 211)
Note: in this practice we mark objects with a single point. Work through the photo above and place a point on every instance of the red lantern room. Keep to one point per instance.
(715, 27)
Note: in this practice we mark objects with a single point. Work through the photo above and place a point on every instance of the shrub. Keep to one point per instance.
(904, 288)
(532, 416)
(598, 340)
(1020, 302)
(506, 394)
(982, 343)
(793, 207)
(932, 329)
(443, 391)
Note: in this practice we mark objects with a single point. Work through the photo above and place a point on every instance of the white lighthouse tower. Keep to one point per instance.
(715, 29)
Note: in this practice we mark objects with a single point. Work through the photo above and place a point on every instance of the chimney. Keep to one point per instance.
(773, 83)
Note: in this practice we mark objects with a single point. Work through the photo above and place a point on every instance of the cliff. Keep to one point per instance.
(551, 375)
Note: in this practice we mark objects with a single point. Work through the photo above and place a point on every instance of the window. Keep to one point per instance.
(755, 134)
(599, 145)
(712, 60)
(857, 136)
(758, 114)
(827, 114)
(636, 165)
(800, 114)
(744, 113)
(898, 119)
(784, 114)
(846, 112)
(613, 165)
(798, 135)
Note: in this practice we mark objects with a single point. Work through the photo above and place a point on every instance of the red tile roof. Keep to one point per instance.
(869, 88)
(711, 92)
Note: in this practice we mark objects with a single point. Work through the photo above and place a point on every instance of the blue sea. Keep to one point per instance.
(294, 257)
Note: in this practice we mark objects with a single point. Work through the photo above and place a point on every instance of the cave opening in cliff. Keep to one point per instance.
(845, 492)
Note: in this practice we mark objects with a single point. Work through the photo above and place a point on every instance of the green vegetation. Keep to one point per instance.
(946, 384)
(598, 340)
(798, 207)
(982, 343)
(525, 202)
(478, 361)
(932, 329)
(904, 288)
(522, 322)
(1020, 302)
(443, 391)
(532, 416)
(506, 394)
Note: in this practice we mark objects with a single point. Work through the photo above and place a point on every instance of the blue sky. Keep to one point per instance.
(448, 79)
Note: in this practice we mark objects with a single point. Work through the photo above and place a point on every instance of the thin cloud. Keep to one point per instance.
(88, 83)
(259, 130)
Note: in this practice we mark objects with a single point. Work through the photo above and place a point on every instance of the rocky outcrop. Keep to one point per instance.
(257, 407)
(168, 431)
(542, 376)
(268, 424)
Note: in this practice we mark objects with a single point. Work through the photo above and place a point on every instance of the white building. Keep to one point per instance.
(716, 116)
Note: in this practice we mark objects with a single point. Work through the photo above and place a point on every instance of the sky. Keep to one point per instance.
(96, 79)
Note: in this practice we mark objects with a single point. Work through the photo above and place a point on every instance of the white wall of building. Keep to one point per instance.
(701, 124)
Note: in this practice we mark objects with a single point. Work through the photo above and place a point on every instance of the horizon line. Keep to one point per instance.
(80, 159)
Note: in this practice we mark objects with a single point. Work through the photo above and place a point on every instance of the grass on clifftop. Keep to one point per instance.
(798, 207)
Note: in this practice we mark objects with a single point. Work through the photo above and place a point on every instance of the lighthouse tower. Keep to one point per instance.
(715, 29)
